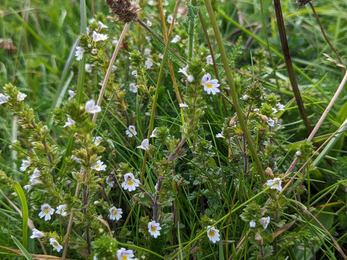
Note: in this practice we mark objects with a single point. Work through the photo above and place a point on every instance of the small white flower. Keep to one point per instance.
(101, 25)
(183, 105)
(97, 140)
(94, 258)
(91, 20)
(92, 108)
(37, 234)
(115, 41)
(115, 214)
(210, 86)
(36, 174)
(21, 96)
(276, 183)
(169, 18)
(252, 224)
(130, 182)
(244, 97)
(149, 23)
(99, 37)
(99, 166)
(69, 122)
(34, 181)
(109, 182)
(133, 87)
(148, 38)
(154, 133)
(78, 160)
(25, 164)
(94, 51)
(265, 222)
(96, 202)
(46, 211)
(149, 63)
(144, 145)
(123, 254)
(184, 71)
(152, 2)
(147, 51)
(190, 78)
(88, 67)
(110, 143)
(3, 99)
(280, 106)
(274, 110)
(298, 153)
(154, 228)
(213, 234)
(134, 73)
(220, 135)
(28, 187)
(61, 210)
(55, 244)
(177, 38)
(161, 56)
(79, 53)
(270, 122)
(131, 131)
(114, 68)
(72, 94)
(209, 60)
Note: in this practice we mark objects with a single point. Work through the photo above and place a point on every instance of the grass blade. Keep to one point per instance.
(22, 248)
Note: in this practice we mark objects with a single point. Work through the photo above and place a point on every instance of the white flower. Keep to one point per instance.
(101, 25)
(161, 56)
(61, 210)
(97, 140)
(190, 78)
(88, 67)
(25, 164)
(130, 182)
(123, 254)
(149, 63)
(270, 122)
(169, 18)
(244, 97)
(36, 174)
(3, 99)
(99, 166)
(213, 234)
(55, 244)
(252, 224)
(220, 135)
(46, 211)
(183, 105)
(110, 143)
(114, 68)
(280, 106)
(28, 187)
(115, 41)
(69, 122)
(92, 108)
(34, 181)
(37, 234)
(184, 71)
(133, 87)
(72, 94)
(265, 222)
(79, 53)
(109, 182)
(115, 214)
(177, 38)
(152, 2)
(154, 228)
(148, 38)
(96, 202)
(147, 51)
(275, 184)
(21, 96)
(274, 110)
(94, 51)
(94, 258)
(209, 60)
(134, 73)
(149, 23)
(154, 133)
(131, 131)
(298, 153)
(210, 86)
(144, 145)
(91, 20)
(78, 160)
(99, 37)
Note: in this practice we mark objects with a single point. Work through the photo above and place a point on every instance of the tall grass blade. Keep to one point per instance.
(22, 249)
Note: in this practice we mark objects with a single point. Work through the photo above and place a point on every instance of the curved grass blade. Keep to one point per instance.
(22, 248)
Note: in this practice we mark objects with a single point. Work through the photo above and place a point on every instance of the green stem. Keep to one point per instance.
(233, 93)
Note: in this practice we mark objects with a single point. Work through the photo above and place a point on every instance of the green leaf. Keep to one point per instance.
(22, 248)
(25, 214)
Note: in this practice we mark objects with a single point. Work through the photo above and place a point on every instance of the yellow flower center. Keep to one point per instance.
(153, 229)
(125, 257)
(55, 244)
(209, 86)
(98, 166)
(115, 213)
(212, 233)
(130, 183)
(46, 211)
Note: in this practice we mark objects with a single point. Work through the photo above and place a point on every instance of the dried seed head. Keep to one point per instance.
(125, 10)
(268, 171)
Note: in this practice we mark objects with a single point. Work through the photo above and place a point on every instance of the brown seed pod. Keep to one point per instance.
(125, 10)
(303, 2)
